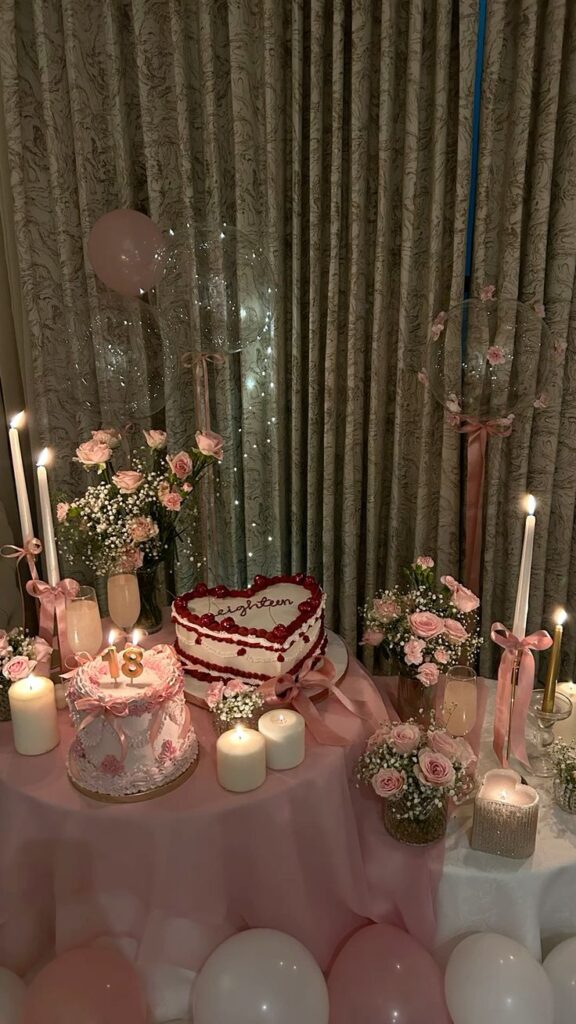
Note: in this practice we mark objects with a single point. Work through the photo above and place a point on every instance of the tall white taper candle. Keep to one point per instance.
(523, 591)
(48, 537)
(20, 479)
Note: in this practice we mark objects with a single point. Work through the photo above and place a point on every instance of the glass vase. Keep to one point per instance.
(5, 715)
(150, 582)
(427, 829)
(414, 700)
(565, 796)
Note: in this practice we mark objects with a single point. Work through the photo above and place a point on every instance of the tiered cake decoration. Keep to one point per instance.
(133, 736)
(273, 627)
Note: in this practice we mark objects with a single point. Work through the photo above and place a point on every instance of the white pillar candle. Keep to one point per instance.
(34, 717)
(523, 591)
(284, 732)
(241, 759)
(50, 552)
(566, 730)
(20, 478)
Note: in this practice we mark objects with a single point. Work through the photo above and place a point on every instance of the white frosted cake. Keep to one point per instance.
(256, 634)
(134, 736)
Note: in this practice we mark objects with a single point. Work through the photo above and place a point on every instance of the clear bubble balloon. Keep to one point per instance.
(489, 359)
(217, 292)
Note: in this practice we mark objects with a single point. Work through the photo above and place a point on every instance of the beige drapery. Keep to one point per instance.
(525, 244)
(341, 133)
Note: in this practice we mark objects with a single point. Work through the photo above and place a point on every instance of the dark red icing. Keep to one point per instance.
(190, 663)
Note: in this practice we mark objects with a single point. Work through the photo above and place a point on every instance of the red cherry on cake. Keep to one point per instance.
(206, 620)
(228, 623)
(258, 581)
(299, 577)
(309, 581)
(306, 639)
(279, 633)
(280, 657)
(220, 591)
(201, 590)
(240, 653)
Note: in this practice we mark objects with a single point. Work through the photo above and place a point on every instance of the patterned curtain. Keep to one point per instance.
(525, 244)
(339, 133)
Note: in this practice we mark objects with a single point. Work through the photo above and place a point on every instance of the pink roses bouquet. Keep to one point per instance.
(19, 654)
(422, 767)
(130, 517)
(424, 627)
(234, 701)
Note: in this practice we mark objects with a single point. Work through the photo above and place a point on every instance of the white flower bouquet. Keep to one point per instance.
(234, 702)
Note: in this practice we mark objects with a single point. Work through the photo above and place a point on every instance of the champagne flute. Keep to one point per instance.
(124, 600)
(83, 623)
(460, 700)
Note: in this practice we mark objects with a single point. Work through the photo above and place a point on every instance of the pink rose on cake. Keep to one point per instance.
(455, 631)
(428, 674)
(93, 453)
(210, 443)
(142, 528)
(389, 783)
(413, 651)
(462, 598)
(372, 637)
(385, 610)
(18, 668)
(404, 737)
(434, 769)
(156, 439)
(108, 435)
(426, 624)
(180, 464)
(128, 480)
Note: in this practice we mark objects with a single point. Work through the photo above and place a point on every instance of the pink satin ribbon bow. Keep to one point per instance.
(289, 689)
(114, 710)
(478, 434)
(53, 606)
(538, 641)
(30, 551)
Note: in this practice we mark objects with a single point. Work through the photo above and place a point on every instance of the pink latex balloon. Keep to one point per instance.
(384, 976)
(126, 250)
(86, 986)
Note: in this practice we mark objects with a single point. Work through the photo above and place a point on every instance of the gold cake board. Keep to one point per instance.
(134, 798)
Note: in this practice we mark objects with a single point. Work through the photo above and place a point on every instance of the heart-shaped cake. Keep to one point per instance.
(273, 626)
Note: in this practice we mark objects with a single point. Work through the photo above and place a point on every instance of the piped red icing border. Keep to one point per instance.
(181, 614)
(189, 663)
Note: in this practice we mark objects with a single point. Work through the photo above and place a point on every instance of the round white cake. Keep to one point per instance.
(132, 736)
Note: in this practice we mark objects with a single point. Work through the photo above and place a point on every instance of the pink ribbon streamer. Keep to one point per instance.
(32, 548)
(512, 645)
(478, 434)
(114, 710)
(289, 689)
(53, 608)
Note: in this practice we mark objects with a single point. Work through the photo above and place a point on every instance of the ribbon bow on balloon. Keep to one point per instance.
(504, 721)
(52, 600)
(291, 689)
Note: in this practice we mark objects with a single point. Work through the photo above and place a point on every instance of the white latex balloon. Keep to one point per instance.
(12, 990)
(168, 991)
(264, 976)
(560, 966)
(492, 978)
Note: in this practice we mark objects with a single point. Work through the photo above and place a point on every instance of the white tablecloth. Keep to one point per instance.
(533, 901)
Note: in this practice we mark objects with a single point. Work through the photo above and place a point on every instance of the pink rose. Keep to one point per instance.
(62, 509)
(214, 694)
(389, 783)
(142, 528)
(441, 656)
(462, 598)
(210, 443)
(156, 439)
(455, 631)
(434, 769)
(441, 743)
(378, 738)
(18, 668)
(385, 609)
(4, 641)
(465, 755)
(163, 489)
(413, 651)
(236, 686)
(108, 436)
(425, 562)
(42, 649)
(93, 453)
(487, 292)
(129, 560)
(180, 464)
(404, 737)
(495, 355)
(172, 501)
(372, 637)
(128, 480)
(426, 624)
(186, 487)
(428, 674)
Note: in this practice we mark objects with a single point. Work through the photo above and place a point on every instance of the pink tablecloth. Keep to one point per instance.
(306, 854)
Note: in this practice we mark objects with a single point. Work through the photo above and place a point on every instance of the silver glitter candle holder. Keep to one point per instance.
(505, 816)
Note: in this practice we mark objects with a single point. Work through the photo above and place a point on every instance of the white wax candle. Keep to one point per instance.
(50, 553)
(20, 479)
(566, 730)
(34, 717)
(241, 759)
(523, 591)
(284, 732)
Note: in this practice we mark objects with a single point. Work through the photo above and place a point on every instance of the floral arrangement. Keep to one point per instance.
(19, 654)
(564, 761)
(422, 767)
(234, 700)
(129, 518)
(424, 627)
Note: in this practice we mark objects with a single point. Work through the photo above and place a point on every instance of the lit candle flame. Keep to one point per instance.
(18, 420)
(111, 637)
(239, 732)
(531, 504)
(560, 617)
(503, 796)
(44, 457)
(135, 637)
